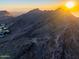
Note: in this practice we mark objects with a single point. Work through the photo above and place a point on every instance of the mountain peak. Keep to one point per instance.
(65, 12)
(4, 13)
(37, 10)
(62, 10)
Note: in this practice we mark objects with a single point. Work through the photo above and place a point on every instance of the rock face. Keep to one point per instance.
(42, 35)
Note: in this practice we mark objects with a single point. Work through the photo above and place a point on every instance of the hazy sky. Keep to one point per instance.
(29, 4)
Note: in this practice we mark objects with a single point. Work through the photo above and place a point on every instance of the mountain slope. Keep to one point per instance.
(42, 35)
(5, 17)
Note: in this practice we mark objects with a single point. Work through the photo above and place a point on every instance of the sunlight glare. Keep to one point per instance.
(70, 4)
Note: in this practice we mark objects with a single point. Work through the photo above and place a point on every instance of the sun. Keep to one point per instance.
(70, 4)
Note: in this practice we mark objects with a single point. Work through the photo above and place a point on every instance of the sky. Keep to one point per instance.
(20, 5)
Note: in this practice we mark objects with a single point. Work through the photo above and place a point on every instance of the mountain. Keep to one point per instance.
(42, 35)
(5, 16)
(4, 13)
(30, 19)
